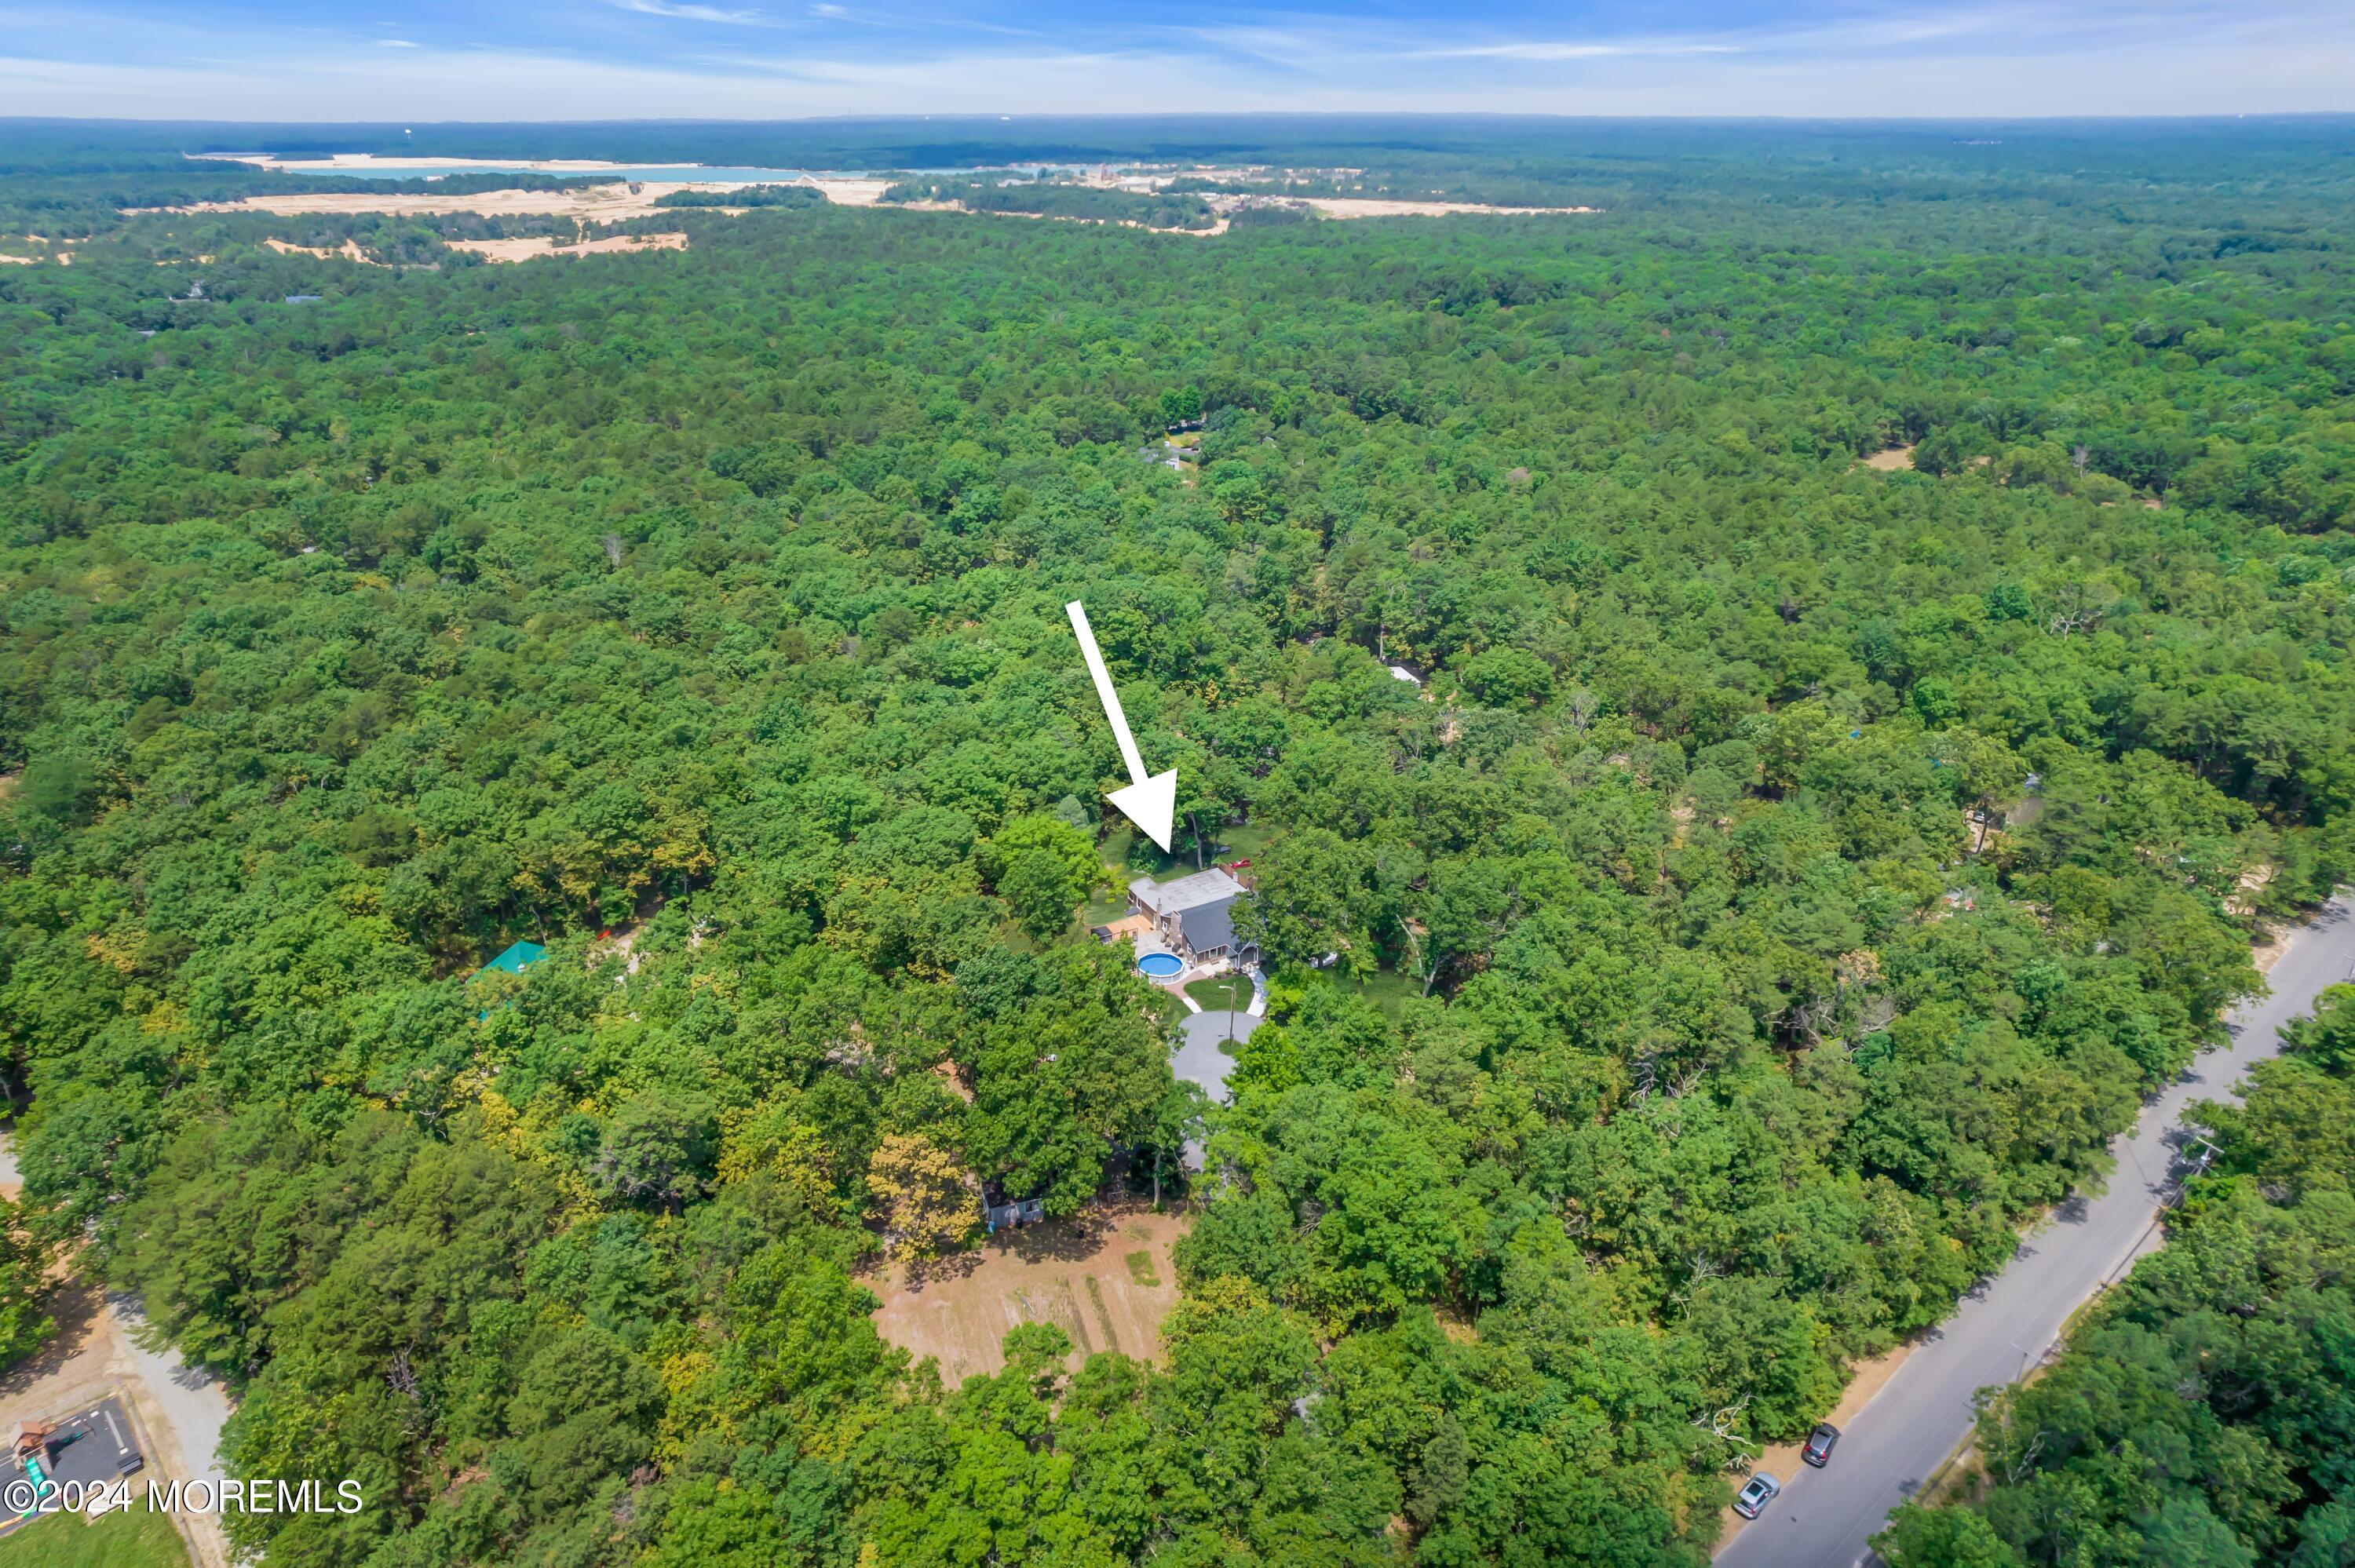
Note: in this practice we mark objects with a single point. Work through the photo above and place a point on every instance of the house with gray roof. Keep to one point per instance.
(1194, 915)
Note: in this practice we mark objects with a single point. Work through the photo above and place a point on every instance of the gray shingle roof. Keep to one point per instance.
(1186, 893)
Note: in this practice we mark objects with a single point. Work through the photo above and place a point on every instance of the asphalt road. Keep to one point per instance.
(1824, 1518)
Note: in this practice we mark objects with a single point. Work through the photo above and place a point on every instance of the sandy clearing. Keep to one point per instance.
(348, 251)
(18, 261)
(1087, 1276)
(852, 193)
(611, 203)
(1369, 206)
(526, 250)
(1892, 459)
(596, 204)
(600, 203)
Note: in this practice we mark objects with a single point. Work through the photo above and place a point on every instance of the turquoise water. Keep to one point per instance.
(1160, 966)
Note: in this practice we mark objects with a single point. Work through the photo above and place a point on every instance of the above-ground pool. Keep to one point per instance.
(1160, 966)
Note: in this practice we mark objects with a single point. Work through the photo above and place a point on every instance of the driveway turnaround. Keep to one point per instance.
(1202, 1054)
(1201, 1057)
(1824, 1518)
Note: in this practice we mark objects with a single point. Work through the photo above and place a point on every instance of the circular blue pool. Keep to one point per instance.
(1160, 966)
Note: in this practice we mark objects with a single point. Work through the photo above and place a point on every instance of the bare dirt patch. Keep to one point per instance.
(535, 246)
(1105, 1279)
(1890, 460)
(348, 251)
(596, 204)
(2265, 954)
(852, 193)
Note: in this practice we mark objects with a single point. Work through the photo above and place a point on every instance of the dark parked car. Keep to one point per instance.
(1820, 1443)
(1754, 1497)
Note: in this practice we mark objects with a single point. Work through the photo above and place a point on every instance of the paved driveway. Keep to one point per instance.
(1201, 1057)
(1202, 1054)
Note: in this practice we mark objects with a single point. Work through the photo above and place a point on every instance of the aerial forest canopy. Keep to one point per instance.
(1878, 660)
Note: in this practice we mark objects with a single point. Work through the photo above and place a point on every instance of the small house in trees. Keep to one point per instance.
(1194, 915)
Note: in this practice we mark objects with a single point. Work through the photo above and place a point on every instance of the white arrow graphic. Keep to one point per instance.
(1152, 802)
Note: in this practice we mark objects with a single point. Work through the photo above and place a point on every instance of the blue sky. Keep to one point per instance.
(573, 60)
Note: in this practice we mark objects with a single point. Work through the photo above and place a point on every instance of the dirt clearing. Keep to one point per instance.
(1107, 1280)
(348, 251)
(596, 204)
(1890, 460)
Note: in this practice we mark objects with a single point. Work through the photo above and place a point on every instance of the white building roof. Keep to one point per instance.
(1186, 892)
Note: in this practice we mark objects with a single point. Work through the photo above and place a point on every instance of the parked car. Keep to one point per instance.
(1762, 1490)
(1820, 1443)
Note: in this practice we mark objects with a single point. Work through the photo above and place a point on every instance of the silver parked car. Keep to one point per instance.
(1762, 1489)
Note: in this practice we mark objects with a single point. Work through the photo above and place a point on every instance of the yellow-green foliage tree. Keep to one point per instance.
(926, 1199)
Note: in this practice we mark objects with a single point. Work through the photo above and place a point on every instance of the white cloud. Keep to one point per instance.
(690, 12)
(1541, 49)
(394, 44)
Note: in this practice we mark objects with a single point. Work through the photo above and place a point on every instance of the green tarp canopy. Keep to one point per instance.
(514, 959)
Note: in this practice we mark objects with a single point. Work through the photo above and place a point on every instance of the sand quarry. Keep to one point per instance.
(621, 200)
(591, 204)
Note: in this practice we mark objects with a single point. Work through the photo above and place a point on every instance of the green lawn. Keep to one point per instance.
(1221, 993)
(1389, 989)
(127, 1538)
(1247, 841)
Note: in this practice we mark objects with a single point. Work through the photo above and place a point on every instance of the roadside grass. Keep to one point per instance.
(127, 1538)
